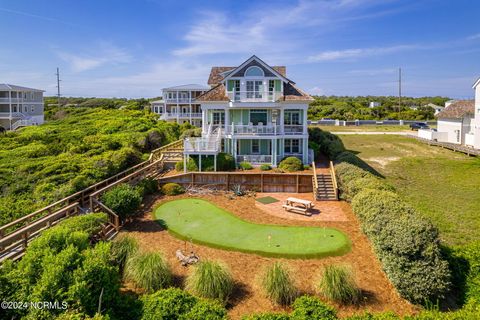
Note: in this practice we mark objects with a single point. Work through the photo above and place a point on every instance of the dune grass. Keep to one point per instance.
(204, 223)
(337, 284)
(149, 271)
(279, 285)
(211, 280)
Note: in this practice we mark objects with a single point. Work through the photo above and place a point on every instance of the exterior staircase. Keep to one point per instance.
(325, 185)
(173, 152)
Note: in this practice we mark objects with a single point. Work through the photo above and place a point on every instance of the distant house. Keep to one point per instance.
(374, 104)
(20, 106)
(457, 121)
(178, 104)
(435, 107)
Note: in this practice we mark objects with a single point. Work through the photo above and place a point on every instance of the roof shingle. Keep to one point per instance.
(457, 110)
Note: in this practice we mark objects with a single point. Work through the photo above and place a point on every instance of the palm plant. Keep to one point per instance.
(149, 271)
(212, 280)
(337, 283)
(278, 284)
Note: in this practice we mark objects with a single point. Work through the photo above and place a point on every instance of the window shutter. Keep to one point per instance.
(278, 85)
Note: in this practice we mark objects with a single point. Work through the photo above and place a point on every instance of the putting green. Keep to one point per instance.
(204, 223)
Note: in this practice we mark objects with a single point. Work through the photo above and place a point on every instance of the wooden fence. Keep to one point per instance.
(261, 182)
(14, 236)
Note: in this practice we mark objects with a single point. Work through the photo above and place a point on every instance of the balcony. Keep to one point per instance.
(179, 100)
(264, 130)
(209, 144)
(255, 158)
(187, 115)
(254, 96)
(19, 100)
(14, 115)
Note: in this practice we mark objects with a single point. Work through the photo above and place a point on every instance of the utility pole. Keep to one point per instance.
(58, 86)
(399, 89)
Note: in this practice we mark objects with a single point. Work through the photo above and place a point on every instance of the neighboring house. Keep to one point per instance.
(456, 121)
(476, 122)
(374, 104)
(20, 106)
(178, 104)
(253, 112)
(435, 107)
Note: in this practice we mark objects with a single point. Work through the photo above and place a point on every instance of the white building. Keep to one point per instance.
(437, 108)
(374, 104)
(20, 106)
(253, 112)
(178, 104)
(476, 122)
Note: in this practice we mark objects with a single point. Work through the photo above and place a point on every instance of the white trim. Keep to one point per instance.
(256, 67)
(254, 57)
(251, 146)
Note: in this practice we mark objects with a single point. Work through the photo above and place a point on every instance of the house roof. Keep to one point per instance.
(457, 110)
(188, 87)
(476, 83)
(12, 87)
(217, 74)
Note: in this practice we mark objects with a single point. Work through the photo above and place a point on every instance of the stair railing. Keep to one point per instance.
(334, 179)
(315, 181)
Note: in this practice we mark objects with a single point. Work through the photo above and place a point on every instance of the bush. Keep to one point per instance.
(267, 316)
(291, 164)
(348, 157)
(244, 165)
(278, 285)
(338, 284)
(148, 186)
(225, 162)
(311, 308)
(351, 188)
(149, 271)
(123, 247)
(204, 309)
(328, 144)
(172, 189)
(265, 167)
(169, 303)
(211, 280)
(123, 200)
(89, 223)
(191, 165)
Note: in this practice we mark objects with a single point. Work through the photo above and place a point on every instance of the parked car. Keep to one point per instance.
(419, 125)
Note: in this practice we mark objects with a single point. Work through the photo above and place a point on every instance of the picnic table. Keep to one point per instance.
(298, 206)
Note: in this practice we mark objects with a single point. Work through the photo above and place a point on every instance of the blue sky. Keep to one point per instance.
(344, 47)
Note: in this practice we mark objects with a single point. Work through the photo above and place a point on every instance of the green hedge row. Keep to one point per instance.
(407, 245)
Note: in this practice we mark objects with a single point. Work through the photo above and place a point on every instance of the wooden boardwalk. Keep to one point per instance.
(451, 146)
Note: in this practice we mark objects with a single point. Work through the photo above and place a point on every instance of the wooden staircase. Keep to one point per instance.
(172, 153)
(325, 185)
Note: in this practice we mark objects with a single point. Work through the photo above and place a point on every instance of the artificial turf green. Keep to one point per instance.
(267, 200)
(202, 222)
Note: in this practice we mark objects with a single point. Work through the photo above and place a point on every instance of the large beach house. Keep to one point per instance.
(253, 112)
(20, 106)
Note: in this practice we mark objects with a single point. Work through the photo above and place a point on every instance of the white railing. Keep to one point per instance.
(254, 96)
(259, 130)
(19, 100)
(181, 115)
(201, 144)
(15, 115)
(255, 158)
(22, 123)
(179, 100)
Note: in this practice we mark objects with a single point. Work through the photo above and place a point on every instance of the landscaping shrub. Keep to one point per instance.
(148, 271)
(329, 144)
(148, 186)
(311, 308)
(123, 247)
(291, 164)
(225, 162)
(89, 223)
(169, 303)
(278, 284)
(268, 316)
(244, 165)
(338, 284)
(211, 280)
(123, 200)
(349, 157)
(172, 189)
(191, 165)
(351, 188)
(206, 310)
(265, 167)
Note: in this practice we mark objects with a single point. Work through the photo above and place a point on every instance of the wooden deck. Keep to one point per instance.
(451, 146)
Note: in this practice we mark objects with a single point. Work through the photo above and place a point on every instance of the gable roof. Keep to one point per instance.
(188, 87)
(457, 110)
(476, 83)
(217, 74)
(262, 63)
(12, 87)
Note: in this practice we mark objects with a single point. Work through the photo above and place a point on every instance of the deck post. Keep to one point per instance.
(200, 162)
(185, 163)
(215, 162)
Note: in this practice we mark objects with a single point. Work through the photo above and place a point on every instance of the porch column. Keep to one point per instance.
(10, 104)
(282, 120)
(190, 112)
(305, 126)
(200, 162)
(274, 152)
(305, 151)
(234, 149)
(227, 118)
(215, 162)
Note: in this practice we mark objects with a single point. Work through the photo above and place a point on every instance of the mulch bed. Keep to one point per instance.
(379, 294)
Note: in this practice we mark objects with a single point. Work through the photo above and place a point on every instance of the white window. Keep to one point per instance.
(255, 147)
(218, 118)
(254, 89)
(254, 71)
(292, 118)
(292, 146)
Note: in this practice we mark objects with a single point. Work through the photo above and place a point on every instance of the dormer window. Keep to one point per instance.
(254, 71)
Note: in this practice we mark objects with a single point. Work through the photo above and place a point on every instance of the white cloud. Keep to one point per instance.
(358, 53)
(105, 54)
(474, 37)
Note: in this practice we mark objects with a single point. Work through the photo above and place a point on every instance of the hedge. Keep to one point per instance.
(406, 244)
(172, 189)
(291, 164)
(123, 199)
(191, 165)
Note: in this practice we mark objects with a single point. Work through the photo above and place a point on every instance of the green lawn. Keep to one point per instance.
(442, 184)
(202, 222)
